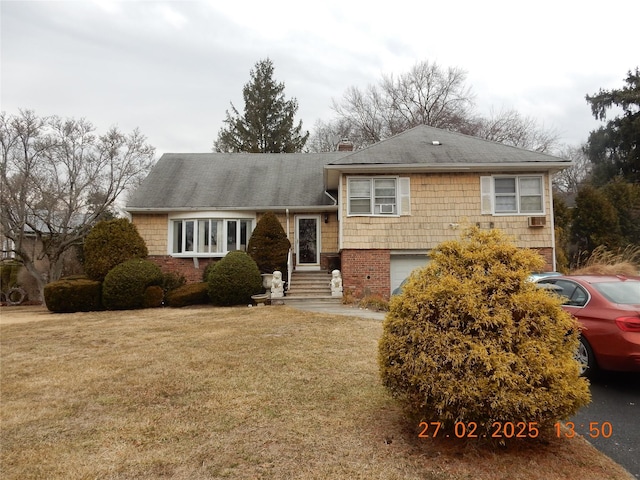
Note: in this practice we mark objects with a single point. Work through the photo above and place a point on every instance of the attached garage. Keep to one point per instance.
(402, 264)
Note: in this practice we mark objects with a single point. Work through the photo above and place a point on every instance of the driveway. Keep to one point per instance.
(615, 398)
(338, 309)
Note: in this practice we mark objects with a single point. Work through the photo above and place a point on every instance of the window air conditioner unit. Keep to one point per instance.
(537, 221)
(386, 208)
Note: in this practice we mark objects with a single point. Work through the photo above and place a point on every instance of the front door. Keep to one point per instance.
(308, 242)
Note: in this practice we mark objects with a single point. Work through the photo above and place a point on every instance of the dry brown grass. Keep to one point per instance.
(606, 262)
(208, 392)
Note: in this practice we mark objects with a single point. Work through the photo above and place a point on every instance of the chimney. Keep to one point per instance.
(345, 145)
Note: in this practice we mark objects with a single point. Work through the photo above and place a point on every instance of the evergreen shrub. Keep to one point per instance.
(73, 295)
(208, 269)
(192, 294)
(171, 281)
(125, 284)
(269, 245)
(109, 243)
(471, 340)
(9, 274)
(153, 297)
(234, 279)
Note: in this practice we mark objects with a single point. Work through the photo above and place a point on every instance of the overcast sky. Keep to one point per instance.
(171, 68)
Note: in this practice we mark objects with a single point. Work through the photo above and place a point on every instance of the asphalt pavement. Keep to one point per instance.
(615, 401)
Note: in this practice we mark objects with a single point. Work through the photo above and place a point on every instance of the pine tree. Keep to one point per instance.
(267, 125)
(615, 148)
(269, 245)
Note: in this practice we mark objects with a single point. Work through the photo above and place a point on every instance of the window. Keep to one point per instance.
(516, 194)
(377, 196)
(572, 294)
(208, 236)
(8, 248)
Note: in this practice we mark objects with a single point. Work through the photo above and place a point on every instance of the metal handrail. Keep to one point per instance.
(289, 268)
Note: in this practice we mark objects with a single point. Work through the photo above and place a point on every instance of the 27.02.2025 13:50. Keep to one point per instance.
(512, 430)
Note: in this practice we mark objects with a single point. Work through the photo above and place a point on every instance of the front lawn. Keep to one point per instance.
(199, 393)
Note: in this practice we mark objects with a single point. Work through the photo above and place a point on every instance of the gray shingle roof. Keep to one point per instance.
(241, 180)
(416, 147)
(186, 181)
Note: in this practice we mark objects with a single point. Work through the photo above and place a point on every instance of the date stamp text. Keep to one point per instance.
(503, 430)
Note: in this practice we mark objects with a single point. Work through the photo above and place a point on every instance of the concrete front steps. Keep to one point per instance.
(310, 287)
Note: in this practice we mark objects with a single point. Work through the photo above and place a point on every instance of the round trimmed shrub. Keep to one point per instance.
(191, 294)
(125, 285)
(73, 295)
(471, 340)
(234, 279)
(109, 243)
(208, 269)
(269, 245)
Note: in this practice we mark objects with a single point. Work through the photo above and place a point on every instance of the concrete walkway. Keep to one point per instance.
(338, 309)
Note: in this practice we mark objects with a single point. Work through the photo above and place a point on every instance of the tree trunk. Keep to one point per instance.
(40, 277)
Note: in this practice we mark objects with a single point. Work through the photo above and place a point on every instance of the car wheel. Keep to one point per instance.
(586, 359)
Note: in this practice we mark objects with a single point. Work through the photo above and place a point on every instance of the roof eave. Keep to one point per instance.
(332, 172)
(452, 167)
(292, 208)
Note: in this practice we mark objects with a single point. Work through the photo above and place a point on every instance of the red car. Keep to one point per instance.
(608, 309)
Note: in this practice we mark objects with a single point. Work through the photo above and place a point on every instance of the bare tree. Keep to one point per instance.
(425, 95)
(58, 179)
(511, 128)
(362, 113)
(570, 179)
(327, 135)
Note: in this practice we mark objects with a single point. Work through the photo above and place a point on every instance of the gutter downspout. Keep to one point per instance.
(340, 232)
(553, 226)
(334, 200)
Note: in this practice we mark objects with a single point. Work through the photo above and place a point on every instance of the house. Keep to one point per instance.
(375, 212)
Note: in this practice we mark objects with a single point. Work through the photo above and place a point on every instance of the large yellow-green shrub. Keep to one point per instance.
(471, 340)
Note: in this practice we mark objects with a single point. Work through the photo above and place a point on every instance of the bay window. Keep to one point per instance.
(210, 236)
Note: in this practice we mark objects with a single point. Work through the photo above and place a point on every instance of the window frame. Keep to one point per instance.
(519, 195)
(375, 200)
(186, 226)
(578, 296)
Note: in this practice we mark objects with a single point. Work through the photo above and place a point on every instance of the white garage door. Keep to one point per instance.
(403, 265)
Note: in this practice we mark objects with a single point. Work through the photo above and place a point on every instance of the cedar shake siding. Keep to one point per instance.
(442, 205)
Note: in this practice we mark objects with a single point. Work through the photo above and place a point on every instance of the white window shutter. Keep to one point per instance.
(405, 196)
(486, 196)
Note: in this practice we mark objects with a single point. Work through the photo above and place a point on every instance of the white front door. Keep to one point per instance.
(307, 242)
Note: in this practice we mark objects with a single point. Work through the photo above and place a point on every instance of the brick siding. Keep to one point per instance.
(182, 266)
(366, 272)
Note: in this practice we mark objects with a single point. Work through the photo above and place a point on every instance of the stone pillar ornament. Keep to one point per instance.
(336, 284)
(277, 286)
